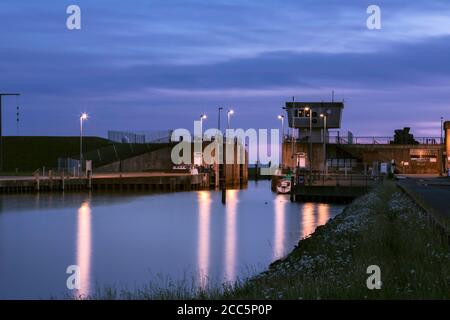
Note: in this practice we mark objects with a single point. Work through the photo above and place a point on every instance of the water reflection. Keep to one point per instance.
(324, 213)
(175, 234)
(37, 200)
(204, 217)
(84, 245)
(230, 235)
(308, 219)
(279, 223)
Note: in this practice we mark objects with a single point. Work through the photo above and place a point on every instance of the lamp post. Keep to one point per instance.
(202, 117)
(225, 167)
(83, 117)
(442, 166)
(292, 130)
(310, 121)
(281, 118)
(229, 114)
(324, 116)
(310, 140)
(218, 120)
(1, 125)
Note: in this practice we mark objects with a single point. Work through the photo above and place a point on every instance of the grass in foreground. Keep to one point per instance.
(383, 228)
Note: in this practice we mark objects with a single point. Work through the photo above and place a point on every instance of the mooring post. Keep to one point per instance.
(89, 176)
(50, 178)
(36, 178)
(224, 196)
(292, 196)
(223, 185)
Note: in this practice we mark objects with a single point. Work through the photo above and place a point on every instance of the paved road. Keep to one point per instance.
(433, 194)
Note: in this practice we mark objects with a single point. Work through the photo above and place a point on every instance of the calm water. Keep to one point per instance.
(127, 240)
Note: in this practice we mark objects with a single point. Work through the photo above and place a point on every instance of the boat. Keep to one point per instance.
(284, 186)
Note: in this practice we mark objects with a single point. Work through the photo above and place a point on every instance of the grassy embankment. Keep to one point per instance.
(383, 228)
(23, 155)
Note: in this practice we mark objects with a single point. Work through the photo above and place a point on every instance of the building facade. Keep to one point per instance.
(315, 145)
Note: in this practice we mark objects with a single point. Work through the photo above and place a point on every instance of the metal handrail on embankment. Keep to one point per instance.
(348, 180)
(331, 187)
(435, 217)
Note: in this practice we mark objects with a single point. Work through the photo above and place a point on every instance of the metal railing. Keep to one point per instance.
(57, 172)
(380, 140)
(334, 138)
(344, 180)
(118, 151)
(141, 137)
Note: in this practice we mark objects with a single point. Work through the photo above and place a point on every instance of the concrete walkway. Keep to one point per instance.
(432, 194)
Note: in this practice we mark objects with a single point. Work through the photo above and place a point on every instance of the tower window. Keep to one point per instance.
(301, 113)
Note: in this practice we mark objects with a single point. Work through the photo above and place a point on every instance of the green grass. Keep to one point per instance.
(23, 155)
(383, 228)
(27, 154)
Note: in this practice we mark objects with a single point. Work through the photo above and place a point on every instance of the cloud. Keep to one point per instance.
(171, 59)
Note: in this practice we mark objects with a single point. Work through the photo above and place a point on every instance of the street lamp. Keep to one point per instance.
(310, 121)
(310, 140)
(281, 118)
(229, 114)
(442, 169)
(218, 120)
(202, 117)
(324, 116)
(83, 117)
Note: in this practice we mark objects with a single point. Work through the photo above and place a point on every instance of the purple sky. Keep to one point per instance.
(149, 65)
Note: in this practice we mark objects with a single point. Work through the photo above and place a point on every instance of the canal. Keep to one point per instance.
(128, 240)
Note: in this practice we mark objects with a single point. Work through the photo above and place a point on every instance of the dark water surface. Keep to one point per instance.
(128, 240)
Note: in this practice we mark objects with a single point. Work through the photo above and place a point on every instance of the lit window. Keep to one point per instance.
(301, 113)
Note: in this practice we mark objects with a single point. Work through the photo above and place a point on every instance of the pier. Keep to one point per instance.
(329, 188)
(139, 181)
(334, 188)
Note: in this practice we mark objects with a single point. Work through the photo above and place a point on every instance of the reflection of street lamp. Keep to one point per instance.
(281, 118)
(83, 117)
(229, 114)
